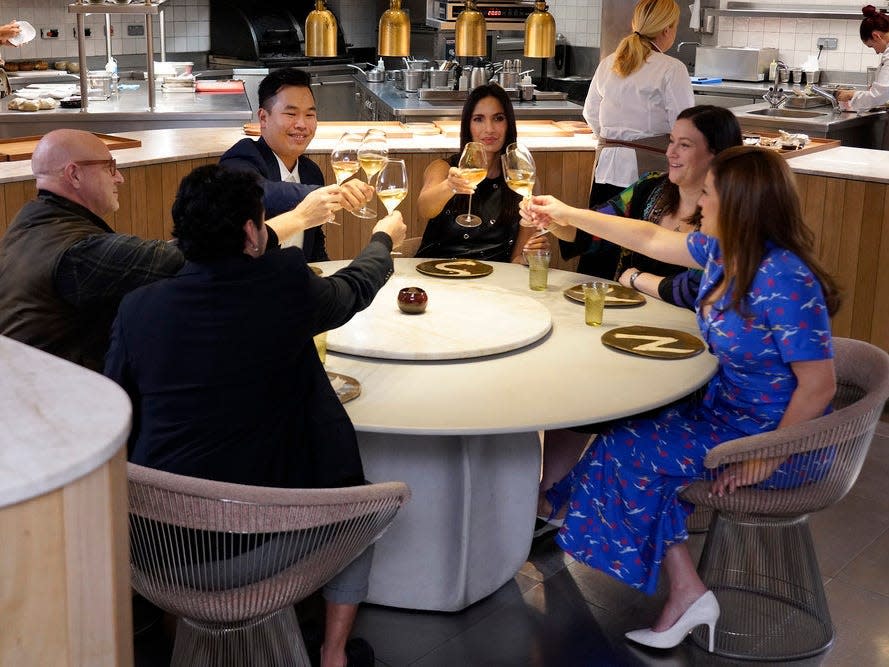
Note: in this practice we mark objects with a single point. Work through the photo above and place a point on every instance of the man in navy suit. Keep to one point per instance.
(288, 120)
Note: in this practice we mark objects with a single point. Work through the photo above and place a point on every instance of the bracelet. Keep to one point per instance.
(633, 279)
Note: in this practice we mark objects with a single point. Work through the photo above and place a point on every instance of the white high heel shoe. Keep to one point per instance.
(703, 611)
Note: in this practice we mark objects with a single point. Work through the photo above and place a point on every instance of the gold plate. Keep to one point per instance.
(617, 296)
(345, 386)
(653, 342)
(455, 268)
(316, 270)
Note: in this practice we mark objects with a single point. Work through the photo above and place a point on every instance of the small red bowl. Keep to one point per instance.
(412, 300)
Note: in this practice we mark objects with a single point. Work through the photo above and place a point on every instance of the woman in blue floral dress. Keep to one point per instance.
(763, 309)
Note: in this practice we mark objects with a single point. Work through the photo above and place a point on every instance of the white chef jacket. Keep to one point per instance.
(288, 176)
(644, 104)
(878, 93)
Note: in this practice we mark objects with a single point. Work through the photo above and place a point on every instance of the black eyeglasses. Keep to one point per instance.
(110, 164)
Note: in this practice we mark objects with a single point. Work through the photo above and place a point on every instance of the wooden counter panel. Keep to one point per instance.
(848, 219)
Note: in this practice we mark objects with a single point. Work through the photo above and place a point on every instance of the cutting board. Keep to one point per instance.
(574, 126)
(21, 148)
(814, 145)
(526, 128)
(335, 129)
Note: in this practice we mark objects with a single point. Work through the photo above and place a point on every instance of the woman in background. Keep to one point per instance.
(637, 92)
(487, 117)
(874, 32)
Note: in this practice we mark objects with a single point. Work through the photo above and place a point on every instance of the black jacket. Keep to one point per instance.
(223, 375)
(280, 196)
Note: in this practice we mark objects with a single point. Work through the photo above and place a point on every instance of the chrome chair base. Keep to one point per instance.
(268, 642)
(765, 575)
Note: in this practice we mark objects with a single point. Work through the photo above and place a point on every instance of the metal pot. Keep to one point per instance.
(479, 76)
(416, 64)
(439, 78)
(413, 79)
(372, 75)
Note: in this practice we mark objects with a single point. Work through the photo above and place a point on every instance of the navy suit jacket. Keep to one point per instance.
(280, 196)
(221, 369)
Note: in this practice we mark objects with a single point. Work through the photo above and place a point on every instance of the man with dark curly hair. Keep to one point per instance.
(221, 368)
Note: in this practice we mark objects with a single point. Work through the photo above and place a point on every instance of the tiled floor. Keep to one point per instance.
(558, 613)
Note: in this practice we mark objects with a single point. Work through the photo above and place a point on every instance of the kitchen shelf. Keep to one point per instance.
(796, 11)
(152, 8)
(146, 9)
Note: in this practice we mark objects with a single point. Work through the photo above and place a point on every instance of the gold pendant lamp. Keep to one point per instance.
(395, 31)
(320, 31)
(471, 31)
(540, 32)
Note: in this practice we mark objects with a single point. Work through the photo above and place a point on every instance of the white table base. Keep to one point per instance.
(468, 527)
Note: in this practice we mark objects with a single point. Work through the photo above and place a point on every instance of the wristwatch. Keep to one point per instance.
(633, 277)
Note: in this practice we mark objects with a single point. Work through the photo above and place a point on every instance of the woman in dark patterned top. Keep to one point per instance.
(666, 199)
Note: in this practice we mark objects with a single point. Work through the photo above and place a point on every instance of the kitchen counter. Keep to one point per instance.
(128, 111)
(393, 104)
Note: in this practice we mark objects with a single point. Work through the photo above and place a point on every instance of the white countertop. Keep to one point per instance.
(861, 164)
(566, 378)
(60, 421)
(188, 144)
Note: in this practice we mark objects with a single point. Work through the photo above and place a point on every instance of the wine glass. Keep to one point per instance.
(519, 171)
(392, 184)
(372, 153)
(344, 160)
(473, 166)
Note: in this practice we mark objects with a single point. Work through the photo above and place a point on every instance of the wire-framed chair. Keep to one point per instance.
(231, 560)
(759, 558)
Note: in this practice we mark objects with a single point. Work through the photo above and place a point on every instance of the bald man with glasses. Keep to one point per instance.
(63, 270)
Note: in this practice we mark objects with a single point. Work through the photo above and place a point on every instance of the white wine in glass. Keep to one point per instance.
(519, 170)
(473, 166)
(344, 160)
(392, 184)
(371, 155)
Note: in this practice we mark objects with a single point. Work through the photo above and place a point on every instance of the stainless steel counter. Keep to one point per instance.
(383, 101)
(128, 112)
(864, 130)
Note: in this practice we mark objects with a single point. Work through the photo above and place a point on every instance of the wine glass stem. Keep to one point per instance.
(469, 212)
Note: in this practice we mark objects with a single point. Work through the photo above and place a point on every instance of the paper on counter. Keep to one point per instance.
(695, 22)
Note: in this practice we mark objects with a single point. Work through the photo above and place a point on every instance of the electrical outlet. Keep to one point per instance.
(105, 30)
(49, 33)
(828, 43)
(135, 30)
(87, 32)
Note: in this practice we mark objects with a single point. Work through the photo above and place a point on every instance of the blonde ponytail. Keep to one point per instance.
(650, 18)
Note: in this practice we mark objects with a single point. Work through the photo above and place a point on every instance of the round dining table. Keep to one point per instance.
(453, 401)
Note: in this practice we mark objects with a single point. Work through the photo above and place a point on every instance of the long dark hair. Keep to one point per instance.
(873, 20)
(721, 130)
(758, 203)
(476, 96)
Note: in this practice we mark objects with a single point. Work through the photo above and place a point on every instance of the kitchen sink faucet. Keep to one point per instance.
(834, 102)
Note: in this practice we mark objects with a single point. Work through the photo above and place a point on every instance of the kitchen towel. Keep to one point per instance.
(695, 22)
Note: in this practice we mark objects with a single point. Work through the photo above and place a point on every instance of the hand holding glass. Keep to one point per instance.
(371, 155)
(473, 166)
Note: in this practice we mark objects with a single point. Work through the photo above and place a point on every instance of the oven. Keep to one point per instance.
(511, 45)
(499, 14)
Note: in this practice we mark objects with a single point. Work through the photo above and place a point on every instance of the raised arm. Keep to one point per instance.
(440, 182)
(638, 235)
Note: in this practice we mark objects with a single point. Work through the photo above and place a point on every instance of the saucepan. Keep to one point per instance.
(372, 75)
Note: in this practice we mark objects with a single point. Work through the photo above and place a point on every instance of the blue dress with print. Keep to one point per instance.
(623, 505)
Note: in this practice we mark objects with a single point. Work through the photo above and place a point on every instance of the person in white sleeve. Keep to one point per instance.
(874, 31)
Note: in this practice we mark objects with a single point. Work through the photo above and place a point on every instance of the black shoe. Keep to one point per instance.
(359, 653)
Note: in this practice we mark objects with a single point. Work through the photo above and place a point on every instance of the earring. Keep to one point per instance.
(256, 248)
